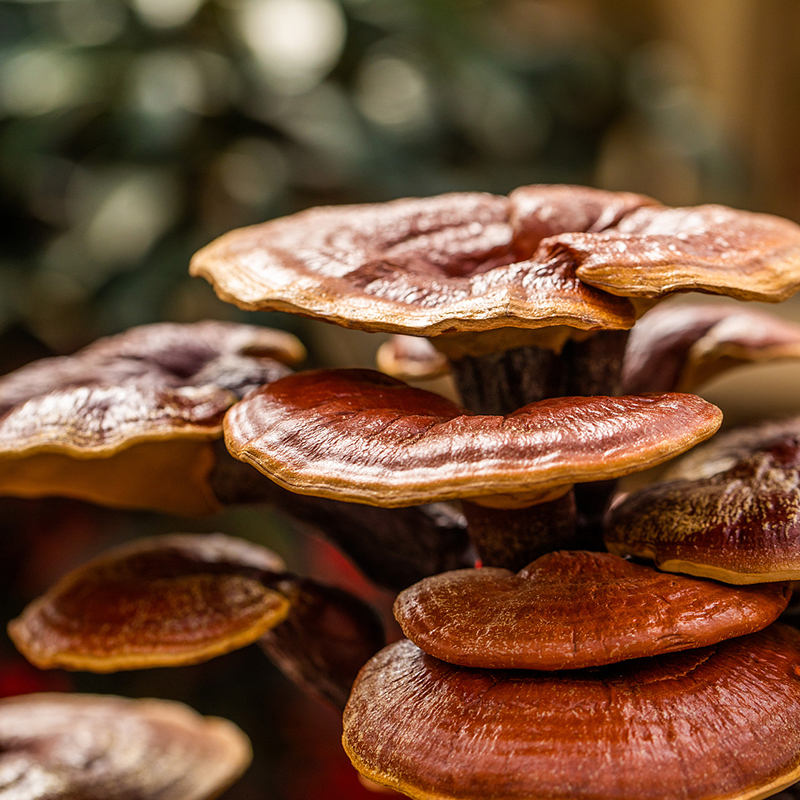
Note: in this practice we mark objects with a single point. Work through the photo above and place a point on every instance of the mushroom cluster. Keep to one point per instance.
(550, 670)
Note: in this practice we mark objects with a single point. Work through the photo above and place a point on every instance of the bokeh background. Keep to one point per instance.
(132, 132)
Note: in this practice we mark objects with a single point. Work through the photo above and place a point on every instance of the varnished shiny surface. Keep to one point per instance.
(158, 602)
(732, 512)
(711, 248)
(570, 610)
(679, 347)
(361, 436)
(87, 747)
(544, 256)
(718, 723)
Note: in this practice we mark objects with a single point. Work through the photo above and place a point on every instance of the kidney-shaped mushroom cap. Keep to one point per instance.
(88, 747)
(361, 436)
(679, 347)
(731, 513)
(164, 601)
(126, 421)
(569, 610)
(476, 262)
(654, 251)
(717, 723)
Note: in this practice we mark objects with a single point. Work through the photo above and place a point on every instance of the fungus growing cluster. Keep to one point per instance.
(550, 670)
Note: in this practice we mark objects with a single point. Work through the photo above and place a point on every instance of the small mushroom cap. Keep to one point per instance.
(126, 422)
(679, 347)
(731, 513)
(410, 358)
(164, 601)
(325, 640)
(68, 746)
(361, 436)
(569, 610)
(654, 251)
(717, 723)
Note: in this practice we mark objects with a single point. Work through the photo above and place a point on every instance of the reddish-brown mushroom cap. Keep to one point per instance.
(679, 347)
(717, 723)
(654, 251)
(569, 610)
(128, 421)
(361, 436)
(163, 601)
(68, 746)
(477, 262)
(732, 512)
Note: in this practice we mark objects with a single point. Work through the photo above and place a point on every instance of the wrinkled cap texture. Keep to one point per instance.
(164, 601)
(676, 348)
(86, 747)
(716, 723)
(361, 436)
(544, 256)
(127, 421)
(569, 610)
(731, 512)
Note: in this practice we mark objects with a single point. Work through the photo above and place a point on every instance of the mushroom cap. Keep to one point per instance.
(126, 421)
(67, 746)
(164, 601)
(732, 512)
(569, 610)
(326, 638)
(716, 723)
(410, 358)
(545, 256)
(361, 436)
(655, 250)
(679, 347)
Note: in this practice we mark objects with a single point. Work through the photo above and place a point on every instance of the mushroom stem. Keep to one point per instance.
(500, 382)
(512, 538)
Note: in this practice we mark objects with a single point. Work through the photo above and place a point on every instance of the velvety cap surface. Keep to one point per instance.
(732, 512)
(70, 746)
(569, 610)
(544, 256)
(361, 436)
(163, 601)
(718, 723)
(679, 347)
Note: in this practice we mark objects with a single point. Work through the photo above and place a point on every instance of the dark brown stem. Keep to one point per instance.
(499, 383)
(512, 538)
(393, 547)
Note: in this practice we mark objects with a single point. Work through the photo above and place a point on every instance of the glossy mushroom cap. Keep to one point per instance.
(717, 723)
(69, 746)
(164, 601)
(361, 436)
(732, 512)
(478, 262)
(569, 610)
(676, 348)
(127, 421)
(411, 358)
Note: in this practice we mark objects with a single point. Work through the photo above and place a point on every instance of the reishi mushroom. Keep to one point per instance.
(571, 610)
(186, 598)
(68, 746)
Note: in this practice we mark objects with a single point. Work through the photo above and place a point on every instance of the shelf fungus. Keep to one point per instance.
(730, 512)
(362, 437)
(66, 746)
(676, 348)
(129, 420)
(715, 723)
(185, 598)
(529, 296)
(570, 610)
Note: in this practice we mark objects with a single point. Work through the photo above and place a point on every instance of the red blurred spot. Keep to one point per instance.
(21, 678)
(478, 563)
